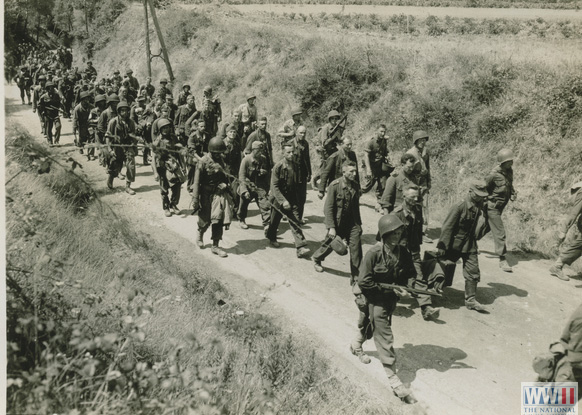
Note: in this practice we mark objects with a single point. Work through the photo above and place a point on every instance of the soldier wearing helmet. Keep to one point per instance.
(103, 123)
(81, 123)
(24, 82)
(570, 236)
(378, 164)
(211, 196)
(289, 129)
(184, 94)
(327, 141)
(100, 102)
(422, 171)
(133, 83)
(121, 140)
(254, 181)
(169, 167)
(459, 235)
(261, 134)
(163, 89)
(90, 70)
(49, 106)
(386, 262)
(39, 91)
(501, 191)
(249, 114)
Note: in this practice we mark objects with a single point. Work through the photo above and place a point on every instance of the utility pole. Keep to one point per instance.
(165, 57)
(147, 33)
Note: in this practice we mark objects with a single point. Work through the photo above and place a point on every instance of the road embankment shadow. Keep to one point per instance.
(454, 299)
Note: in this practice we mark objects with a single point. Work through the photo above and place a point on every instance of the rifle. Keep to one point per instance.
(411, 290)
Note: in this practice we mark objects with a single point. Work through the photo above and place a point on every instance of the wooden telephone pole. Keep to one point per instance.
(164, 52)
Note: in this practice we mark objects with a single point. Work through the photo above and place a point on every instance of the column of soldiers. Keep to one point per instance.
(228, 164)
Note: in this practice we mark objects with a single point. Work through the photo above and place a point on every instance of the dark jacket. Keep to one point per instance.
(284, 186)
(395, 185)
(265, 138)
(500, 188)
(302, 159)
(342, 205)
(253, 171)
(209, 174)
(458, 230)
(413, 220)
(333, 167)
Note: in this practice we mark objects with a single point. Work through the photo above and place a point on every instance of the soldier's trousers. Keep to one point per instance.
(42, 123)
(571, 248)
(170, 191)
(301, 198)
(419, 281)
(116, 163)
(191, 174)
(381, 316)
(49, 123)
(275, 220)
(204, 220)
(262, 203)
(494, 223)
(24, 90)
(471, 270)
(353, 236)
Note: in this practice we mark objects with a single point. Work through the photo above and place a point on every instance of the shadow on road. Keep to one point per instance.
(454, 299)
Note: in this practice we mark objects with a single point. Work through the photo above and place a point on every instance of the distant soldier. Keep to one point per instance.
(254, 182)
(197, 146)
(570, 235)
(116, 78)
(232, 161)
(49, 106)
(378, 165)
(210, 196)
(283, 198)
(396, 183)
(249, 114)
(210, 111)
(333, 167)
(169, 167)
(302, 160)
(235, 122)
(24, 82)
(143, 118)
(501, 191)
(93, 120)
(163, 90)
(459, 240)
(184, 95)
(261, 134)
(422, 171)
(390, 263)
(342, 218)
(67, 91)
(183, 113)
(38, 91)
(121, 141)
(91, 70)
(328, 138)
(81, 122)
(288, 130)
(133, 83)
(170, 106)
(148, 89)
(103, 123)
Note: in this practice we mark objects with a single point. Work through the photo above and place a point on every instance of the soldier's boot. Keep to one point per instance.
(217, 251)
(470, 302)
(398, 387)
(317, 265)
(356, 350)
(430, 312)
(199, 240)
(504, 265)
(557, 271)
(128, 189)
(110, 181)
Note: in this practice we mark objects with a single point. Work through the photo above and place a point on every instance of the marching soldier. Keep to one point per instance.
(378, 165)
(328, 137)
(210, 111)
(386, 262)
(103, 123)
(93, 120)
(90, 70)
(210, 196)
(342, 218)
(501, 191)
(24, 82)
(170, 106)
(133, 83)
(422, 171)
(571, 235)
(232, 161)
(333, 166)
(197, 146)
(459, 240)
(81, 122)
(169, 167)
(143, 118)
(248, 111)
(183, 113)
(147, 89)
(184, 95)
(396, 183)
(121, 141)
(67, 91)
(261, 134)
(238, 126)
(289, 129)
(38, 91)
(254, 182)
(302, 160)
(163, 90)
(283, 199)
(49, 106)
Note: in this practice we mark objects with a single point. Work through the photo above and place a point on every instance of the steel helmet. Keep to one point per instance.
(164, 122)
(112, 98)
(333, 114)
(418, 135)
(504, 155)
(388, 223)
(216, 145)
(122, 104)
(99, 98)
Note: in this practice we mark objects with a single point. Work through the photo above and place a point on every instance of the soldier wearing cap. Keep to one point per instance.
(249, 112)
(103, 123)
(37, 92)
(197, 146)
(283, 199)
(81, 123)
(289, 129)
(570, 236)
(261, 134)
(459, 235)
(211, 195)
(326, 142)
(333, 167)
(302, 160)
(378, 165)
(501, 191)
(184, 94)
(121, 140)
(169, 167)
(94, 114)
(254, 182)
(386, 262)
(49, 106)
(397, 182)
(116, 78)
(90, 70)
(133, 82)
(163, 90)
(342, 218)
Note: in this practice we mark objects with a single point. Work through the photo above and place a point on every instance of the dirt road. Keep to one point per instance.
(465, 363)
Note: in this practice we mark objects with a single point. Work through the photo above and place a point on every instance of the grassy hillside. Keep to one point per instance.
(474, 94)
(114, 323)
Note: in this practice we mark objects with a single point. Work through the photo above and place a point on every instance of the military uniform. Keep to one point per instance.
(81, 124)
(254, 178)
(380, 167)
(38, 92)
(183, 114)
(211, 112)
(24, 82)
(572, 340)
(265, 138)
(333, 167)
(342, 212)
(302, 160)
(249, 114)
(183, 97)
(571, 248)
(49, 105)
(120, 131)
(169, 168)
(395, 185)
(288, 127)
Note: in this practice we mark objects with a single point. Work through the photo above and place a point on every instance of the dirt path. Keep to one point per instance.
(466, 363)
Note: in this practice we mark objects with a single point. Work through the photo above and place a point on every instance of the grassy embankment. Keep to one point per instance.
(474, 94)
(111, 323)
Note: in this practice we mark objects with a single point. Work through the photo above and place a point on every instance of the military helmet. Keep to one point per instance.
(42, 78)
(116, 72)
(251, 96)
(417, 135)
(163, 81)
(112, 98)
(388, 223)
(333, 114)
(49, 83)
(122, 104)
(216, 145)
(85, 94)
(186, 85)
(100, 98)
(207, 89)
(504, 155)
(164, 122)
(129, 72)
(296, 111)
